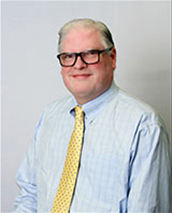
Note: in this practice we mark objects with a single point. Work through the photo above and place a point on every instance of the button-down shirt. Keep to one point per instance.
(125, 165)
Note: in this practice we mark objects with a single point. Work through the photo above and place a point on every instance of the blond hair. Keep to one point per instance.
(106, 36)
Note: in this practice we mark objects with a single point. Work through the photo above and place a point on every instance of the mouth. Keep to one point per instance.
(81, 76)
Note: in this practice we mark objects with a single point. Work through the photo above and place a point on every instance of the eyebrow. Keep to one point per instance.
(90, 49)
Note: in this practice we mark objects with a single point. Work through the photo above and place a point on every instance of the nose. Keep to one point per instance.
(79, 64)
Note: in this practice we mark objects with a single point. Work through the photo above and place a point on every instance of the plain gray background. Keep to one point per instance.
(31, 74)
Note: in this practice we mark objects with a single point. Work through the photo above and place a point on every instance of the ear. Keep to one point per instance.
(113, 56)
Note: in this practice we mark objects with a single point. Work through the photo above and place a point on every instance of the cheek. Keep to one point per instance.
(65, 76)
(103, 71)
(64, 73)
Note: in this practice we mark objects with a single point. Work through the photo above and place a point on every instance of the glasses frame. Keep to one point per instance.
(80, 54)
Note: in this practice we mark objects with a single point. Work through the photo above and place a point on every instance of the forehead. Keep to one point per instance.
(80, 39)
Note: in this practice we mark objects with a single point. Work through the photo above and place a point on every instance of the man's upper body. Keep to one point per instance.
(125, 163)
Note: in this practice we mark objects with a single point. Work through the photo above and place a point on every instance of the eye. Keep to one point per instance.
(90, 53)
(68, 56)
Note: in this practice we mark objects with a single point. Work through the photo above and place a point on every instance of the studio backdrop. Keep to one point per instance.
(31, 76)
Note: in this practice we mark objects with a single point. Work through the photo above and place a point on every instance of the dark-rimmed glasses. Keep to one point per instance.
(88, 57)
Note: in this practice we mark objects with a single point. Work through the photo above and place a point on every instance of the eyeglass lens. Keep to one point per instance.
(88, 57)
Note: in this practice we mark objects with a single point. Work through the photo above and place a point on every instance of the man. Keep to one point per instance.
(124, 161)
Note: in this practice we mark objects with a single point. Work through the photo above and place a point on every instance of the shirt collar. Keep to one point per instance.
(93, 107)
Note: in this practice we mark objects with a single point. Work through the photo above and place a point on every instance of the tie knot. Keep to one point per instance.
(78, 110)
(79, 114)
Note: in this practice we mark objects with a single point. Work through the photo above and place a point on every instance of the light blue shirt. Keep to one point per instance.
(125, 163)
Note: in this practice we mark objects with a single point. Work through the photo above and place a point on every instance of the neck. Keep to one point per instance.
(83, 100)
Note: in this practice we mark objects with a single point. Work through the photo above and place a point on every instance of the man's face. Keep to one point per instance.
(87, 82)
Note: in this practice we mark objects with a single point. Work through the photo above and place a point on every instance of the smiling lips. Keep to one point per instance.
(81, 76)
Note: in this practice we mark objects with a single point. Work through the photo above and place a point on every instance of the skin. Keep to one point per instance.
(86, 82)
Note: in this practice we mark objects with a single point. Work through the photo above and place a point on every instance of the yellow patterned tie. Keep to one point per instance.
(65, 191)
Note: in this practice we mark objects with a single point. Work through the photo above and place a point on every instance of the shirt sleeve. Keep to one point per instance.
(26, 201)
(150, 171)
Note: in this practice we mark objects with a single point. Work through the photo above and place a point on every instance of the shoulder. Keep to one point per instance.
(53, 113)
(57, 109)
(60, 105)
(135, 110)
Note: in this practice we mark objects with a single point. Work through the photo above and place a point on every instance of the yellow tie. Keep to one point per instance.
(65, 191)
